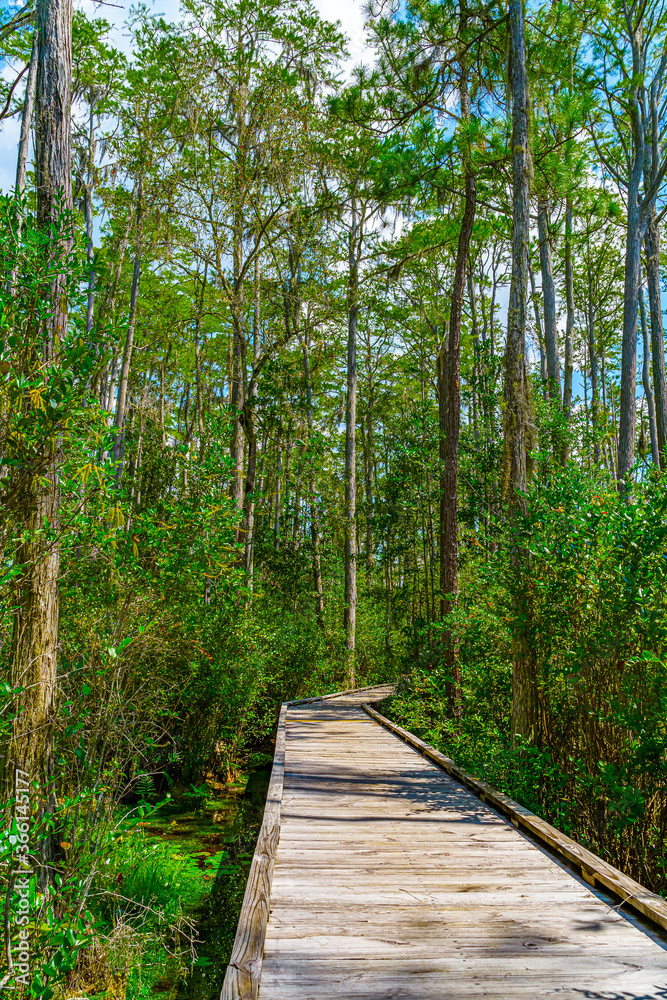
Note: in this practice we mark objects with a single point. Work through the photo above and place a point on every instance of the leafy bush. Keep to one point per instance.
(594, 600)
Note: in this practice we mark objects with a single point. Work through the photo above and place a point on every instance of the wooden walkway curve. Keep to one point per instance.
(390, 879)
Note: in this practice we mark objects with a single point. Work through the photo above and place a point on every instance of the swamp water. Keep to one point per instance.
(217, 838)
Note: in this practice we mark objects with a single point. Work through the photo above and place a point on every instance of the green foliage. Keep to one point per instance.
(139, 875)
(594, 591)
(231, 180)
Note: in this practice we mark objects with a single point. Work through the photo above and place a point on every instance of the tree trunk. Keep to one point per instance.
(650, 403)
(163, 432)
(450, 420)
(593, 361)
(492, 308)
(238, 373)
(524, 687)
(538, 327)
(474, 333)
(36, 597)
(297, 513)
(367, 443)
(124, 378)
(26, 117)
(627, 414)
(237, 401)
(288, 481)
(259, 486)
(609, 448)
(549, 304)
(652, 157)
(652, 245)
(251, 440)
(123, 382)
(24, 140)
(351, 452)
(279, 477)
(569, 333)
(90, 305)
(198, 376)
(248, 423)
(314, 514)
(108, 305)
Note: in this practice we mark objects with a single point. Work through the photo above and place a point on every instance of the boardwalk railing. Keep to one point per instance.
(245, 965)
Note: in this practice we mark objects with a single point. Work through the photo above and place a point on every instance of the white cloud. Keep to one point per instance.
(350, 14)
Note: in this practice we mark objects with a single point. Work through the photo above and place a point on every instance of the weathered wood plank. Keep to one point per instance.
(392, 880)
(592, 867)
(379, 692)
(244, 970)
(531, 963)
(328, 982)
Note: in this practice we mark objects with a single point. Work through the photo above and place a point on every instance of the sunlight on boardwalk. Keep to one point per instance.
(392, 881)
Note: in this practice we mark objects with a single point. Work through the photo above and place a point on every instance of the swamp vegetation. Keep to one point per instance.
(313, 377)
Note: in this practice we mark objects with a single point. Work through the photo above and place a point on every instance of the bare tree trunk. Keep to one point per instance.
(123, 382)
(236, 446)
(627, 414)
(569, 332)
(288, 481)
(124, 378)
(516, 401)
(314, 514)
(260, 480)
(297, 510)
(652, 157)
(248, 420)
(90, 305)
(351, 452)
(24, 140)
(484, 394)
(538, 327)
(524, 687)
(609, 449)
(36, 598)
(549, 303)
(199, 388)
(492, 307)
(652, 245)
(110, 388)
(279, 477)
(646, 379)
(367, 444)
(238, 374)
(474, 333)
(450, 420)
(135, 463)
(163, 434)
(108, 305)
(26, 117)
(595, 390)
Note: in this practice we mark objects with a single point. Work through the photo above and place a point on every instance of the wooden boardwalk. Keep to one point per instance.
(392, 880)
